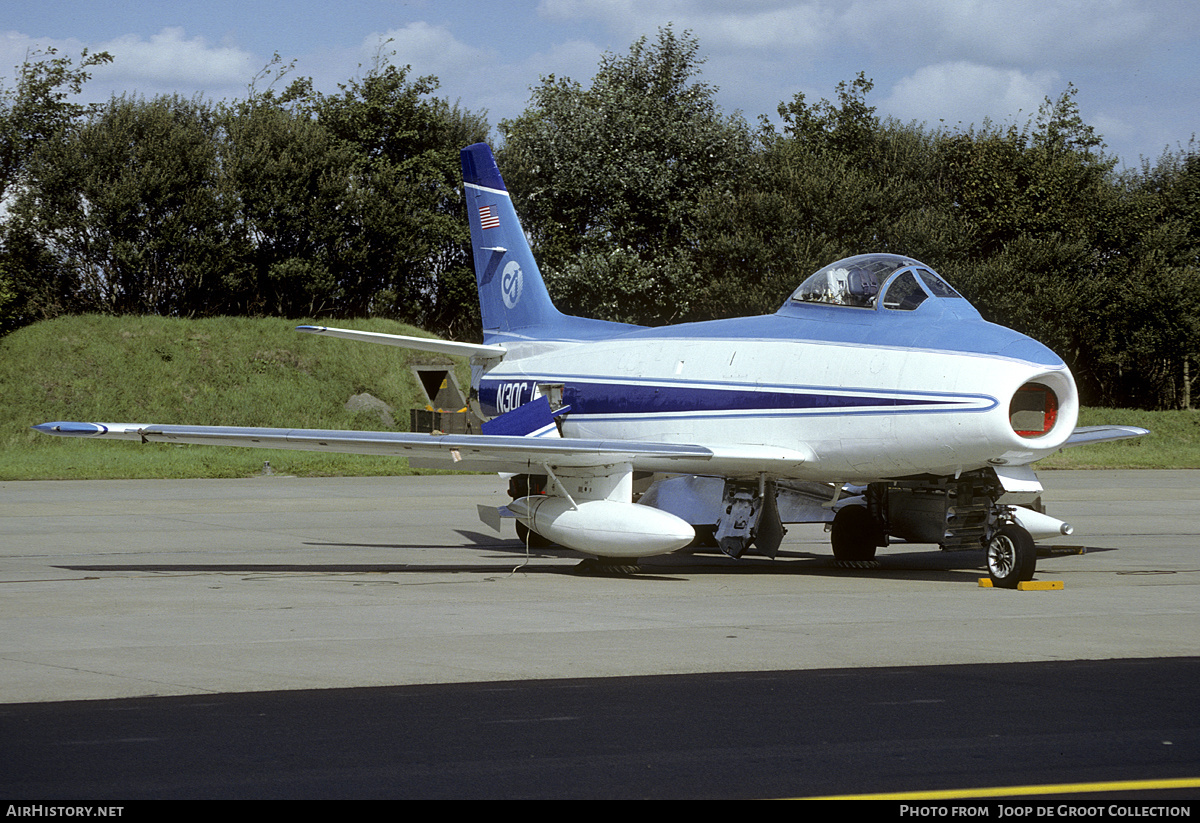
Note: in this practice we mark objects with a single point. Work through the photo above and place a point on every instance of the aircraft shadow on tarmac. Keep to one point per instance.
(928, 564)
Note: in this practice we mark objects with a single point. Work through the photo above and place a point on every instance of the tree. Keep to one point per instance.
(126, 205)
(1012, 182)
(1169, 218)
(407, 250)
(286, 179)
(849, 129)
(609, 178)
(39, 107)
(287, 202)
(32, 112)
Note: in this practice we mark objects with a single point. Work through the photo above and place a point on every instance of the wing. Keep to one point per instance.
(481, 452)
(490, 452)
(1103, 434)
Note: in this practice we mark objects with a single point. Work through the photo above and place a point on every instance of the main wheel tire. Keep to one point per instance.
(854, 535)
(1011, 556)
(531, 538)
(607, 567)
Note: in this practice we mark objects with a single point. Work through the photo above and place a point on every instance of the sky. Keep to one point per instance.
(941, 63)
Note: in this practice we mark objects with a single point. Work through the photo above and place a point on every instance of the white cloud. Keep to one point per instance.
(577, 59)
(16, 48)
(163, 63)
(962, 92)
(1039, 32)
(169, 58)
(618, 15)
(800, 29)
(1030, 32)
(765, 24)
(428, 49)
(486, 79)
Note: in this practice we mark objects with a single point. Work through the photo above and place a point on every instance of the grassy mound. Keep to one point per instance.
(220, 371)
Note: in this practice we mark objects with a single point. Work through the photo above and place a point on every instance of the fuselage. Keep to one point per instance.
(868, 393)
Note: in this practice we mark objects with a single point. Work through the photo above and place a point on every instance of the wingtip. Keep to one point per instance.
(66, 428)
(1132, 431)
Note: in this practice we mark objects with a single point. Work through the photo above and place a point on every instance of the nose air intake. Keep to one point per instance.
(1033, 410)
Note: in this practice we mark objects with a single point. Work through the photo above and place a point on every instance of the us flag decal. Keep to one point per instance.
(488, 217)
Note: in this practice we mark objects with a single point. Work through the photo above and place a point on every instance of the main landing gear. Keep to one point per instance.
(960, 513)
(531, 539)
(855, 535)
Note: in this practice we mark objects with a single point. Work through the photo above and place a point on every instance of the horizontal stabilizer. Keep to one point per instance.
(405, 342)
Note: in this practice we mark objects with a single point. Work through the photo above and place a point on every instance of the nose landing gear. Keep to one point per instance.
(1011, 556)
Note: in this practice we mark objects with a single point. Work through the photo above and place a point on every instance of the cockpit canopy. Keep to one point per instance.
(858, 282)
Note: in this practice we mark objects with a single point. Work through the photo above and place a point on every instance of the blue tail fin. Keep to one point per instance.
(512, 296)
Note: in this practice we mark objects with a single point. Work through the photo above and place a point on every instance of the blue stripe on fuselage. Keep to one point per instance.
(650, 399)
(614, 397)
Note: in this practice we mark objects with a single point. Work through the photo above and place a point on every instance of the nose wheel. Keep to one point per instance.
(1011, 556)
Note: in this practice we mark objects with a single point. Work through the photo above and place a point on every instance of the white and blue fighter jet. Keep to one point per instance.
(876, 400)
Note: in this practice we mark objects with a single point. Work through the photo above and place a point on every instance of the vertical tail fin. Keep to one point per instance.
(512, 296)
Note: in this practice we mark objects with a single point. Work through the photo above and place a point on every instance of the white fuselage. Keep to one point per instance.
(857, 412)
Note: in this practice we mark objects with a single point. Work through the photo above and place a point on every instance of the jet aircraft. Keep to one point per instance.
(876, 400)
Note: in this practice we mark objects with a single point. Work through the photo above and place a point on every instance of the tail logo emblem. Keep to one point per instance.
(511, 282)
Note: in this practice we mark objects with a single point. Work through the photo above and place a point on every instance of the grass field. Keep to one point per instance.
(1173, 442)
(260, 372)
